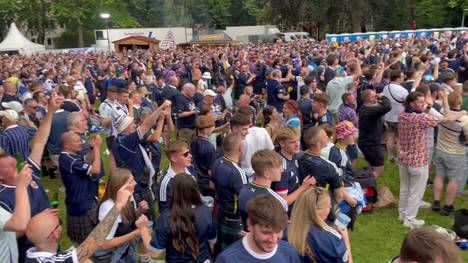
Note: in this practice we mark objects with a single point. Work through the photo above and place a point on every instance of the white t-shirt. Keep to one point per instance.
(104, 209)
(335, 90)
(105, 110)
(397, 96)
(81, 90)
(257, 139)
(8, 246)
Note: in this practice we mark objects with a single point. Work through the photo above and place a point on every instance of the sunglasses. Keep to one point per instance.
(55, 228)
(185, 154)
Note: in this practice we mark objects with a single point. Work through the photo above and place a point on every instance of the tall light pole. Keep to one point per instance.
(463, 17)
(106, 17)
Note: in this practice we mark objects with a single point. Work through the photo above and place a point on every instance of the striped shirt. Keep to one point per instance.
(117, 111)
(413, 145)
(17, 138)
(251, 191)
(164, 188)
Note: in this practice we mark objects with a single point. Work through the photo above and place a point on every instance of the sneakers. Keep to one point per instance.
(413, 224)
(424, 204)
(447, 210)
(436, 205)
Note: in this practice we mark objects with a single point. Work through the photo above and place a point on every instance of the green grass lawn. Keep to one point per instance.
(377, 236)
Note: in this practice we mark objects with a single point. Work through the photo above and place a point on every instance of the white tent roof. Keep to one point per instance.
(17, 41)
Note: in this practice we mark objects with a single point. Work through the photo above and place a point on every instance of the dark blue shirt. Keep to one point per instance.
(155, 149)
(341, 160)
(70, 106)
(289, 178)
(7, 98)
(205, 231)
(198, 100)
(38, 199)
(185, 103)
(273, 89)
(119, 83)
(305, 106)
(242, 82)
(81, 188)
(251, 191)
(324, 171)
(156, 94)
(128, 154)
(59, 126)
(204, 155)
(88, 83)
(229, 179)
(17, 140)
(170, 93)
(240, 252)
(327, 244)
(164, 188)
(326, 118)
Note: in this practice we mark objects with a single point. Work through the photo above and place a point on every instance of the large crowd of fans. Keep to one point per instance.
(261, 143)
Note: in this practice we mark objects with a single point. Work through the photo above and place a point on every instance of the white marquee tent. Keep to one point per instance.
(15, 41)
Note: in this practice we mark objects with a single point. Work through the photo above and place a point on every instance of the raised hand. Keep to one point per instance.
(124, 193)
(24, 177)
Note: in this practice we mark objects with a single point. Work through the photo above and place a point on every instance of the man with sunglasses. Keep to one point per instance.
(180, 160)
(45, 230)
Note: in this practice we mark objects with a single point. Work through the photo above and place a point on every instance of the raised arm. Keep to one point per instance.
(40, 138)
(99, 233)
(22, 211)
(95, 142)
(151, 120)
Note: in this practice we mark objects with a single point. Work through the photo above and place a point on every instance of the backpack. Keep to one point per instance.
(365, 177)
(460, 226)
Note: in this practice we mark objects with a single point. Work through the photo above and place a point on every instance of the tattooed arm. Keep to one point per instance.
(99, 233)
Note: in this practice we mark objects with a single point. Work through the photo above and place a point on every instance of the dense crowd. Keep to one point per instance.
(261, 143)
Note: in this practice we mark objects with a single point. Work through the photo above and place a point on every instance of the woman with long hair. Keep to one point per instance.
(270, 120)
(311, 236)
(185, 231)
(120, 244)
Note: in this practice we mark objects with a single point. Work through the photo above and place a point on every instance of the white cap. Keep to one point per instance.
(209, 92)
(10, 114)
(13, 105)
(206, 75)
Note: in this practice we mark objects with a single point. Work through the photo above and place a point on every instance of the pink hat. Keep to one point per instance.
(344, 129)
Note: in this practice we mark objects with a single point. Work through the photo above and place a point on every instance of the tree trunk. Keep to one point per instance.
(80, 36)
(356, 15)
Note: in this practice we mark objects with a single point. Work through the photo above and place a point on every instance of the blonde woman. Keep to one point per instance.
(120, 243)
(311, 236)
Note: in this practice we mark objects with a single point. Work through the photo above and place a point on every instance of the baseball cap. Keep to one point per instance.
(10, 114)
(13, 105)
(209, 92)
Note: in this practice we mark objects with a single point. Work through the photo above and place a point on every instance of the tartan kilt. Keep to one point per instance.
(79, 227)
(228, 232)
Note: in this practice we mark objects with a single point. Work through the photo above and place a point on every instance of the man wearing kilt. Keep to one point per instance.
(80, 178)
(229, 179)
